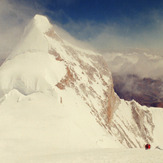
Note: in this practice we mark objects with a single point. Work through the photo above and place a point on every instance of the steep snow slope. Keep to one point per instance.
(157, 115)
(33, 38)
(54, 95)
(133, 125)
(42, 62)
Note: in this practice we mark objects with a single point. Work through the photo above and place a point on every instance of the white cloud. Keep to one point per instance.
(13, 18)
(145, 32)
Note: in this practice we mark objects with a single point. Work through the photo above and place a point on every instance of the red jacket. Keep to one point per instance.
(147, 146)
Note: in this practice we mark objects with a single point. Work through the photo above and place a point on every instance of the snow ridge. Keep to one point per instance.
(63, 87)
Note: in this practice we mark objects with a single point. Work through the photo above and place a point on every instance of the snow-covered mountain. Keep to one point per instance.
(54, 95)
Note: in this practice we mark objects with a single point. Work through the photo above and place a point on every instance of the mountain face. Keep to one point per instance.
(56, 95)
(58, 92)
(62, 66)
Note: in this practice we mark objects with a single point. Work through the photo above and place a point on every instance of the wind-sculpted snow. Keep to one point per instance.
(29, 73)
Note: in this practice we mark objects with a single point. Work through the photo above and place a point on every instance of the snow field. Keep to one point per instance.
(87, 156)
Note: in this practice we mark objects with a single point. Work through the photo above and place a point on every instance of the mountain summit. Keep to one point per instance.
(34, 37)
(56, 95)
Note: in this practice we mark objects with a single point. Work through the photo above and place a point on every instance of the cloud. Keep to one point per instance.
(137, 40)
(68, 37)
(13, 18)
(14, 15)
(145, 31)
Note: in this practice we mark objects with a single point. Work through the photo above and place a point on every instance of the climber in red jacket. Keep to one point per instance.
(147, 146)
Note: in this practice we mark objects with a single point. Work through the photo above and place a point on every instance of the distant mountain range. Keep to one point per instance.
(146, 91)
(137, 75)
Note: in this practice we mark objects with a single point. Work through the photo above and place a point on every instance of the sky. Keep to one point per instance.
(104, 24)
